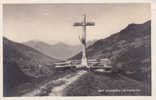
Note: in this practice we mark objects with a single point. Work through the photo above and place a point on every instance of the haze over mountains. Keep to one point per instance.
(59, 50)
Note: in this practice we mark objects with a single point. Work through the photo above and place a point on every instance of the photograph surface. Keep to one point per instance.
(77, 49)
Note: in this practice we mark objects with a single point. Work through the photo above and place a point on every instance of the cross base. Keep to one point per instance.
(84, 62)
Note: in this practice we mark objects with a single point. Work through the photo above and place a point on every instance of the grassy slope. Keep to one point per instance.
(95, 84)
(130, 53)
(23, 64)
(129, 50)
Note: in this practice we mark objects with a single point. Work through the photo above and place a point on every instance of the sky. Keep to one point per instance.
(52, 23)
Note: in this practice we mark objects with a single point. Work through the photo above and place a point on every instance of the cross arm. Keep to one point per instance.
(81, 24)
(77, 24)
(90, 24)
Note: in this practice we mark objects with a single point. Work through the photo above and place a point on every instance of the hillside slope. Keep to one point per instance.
(23, 64)
(98, 84)
(129, 50)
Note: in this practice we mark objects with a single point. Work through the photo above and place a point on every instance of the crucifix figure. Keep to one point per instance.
(83, 24)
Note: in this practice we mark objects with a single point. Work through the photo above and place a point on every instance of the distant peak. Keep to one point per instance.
(61, 43)
(35, 41)
(135, 24)
(148, 22)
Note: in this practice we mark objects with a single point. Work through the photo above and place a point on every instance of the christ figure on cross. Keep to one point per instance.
(83, 24)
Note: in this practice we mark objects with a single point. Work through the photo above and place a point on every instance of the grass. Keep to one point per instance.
(97, 84)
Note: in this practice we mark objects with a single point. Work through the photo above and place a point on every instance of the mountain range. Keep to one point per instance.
(59, 50)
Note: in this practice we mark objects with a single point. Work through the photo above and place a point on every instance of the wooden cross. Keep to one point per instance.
(84, 24)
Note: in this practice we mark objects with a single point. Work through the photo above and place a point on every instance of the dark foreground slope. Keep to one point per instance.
(98, 84)
(22, 64)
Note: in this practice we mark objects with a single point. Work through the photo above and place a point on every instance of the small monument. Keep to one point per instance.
(82, 38)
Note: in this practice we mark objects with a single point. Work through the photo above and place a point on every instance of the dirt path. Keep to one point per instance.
(57, 86)
(58, 91)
